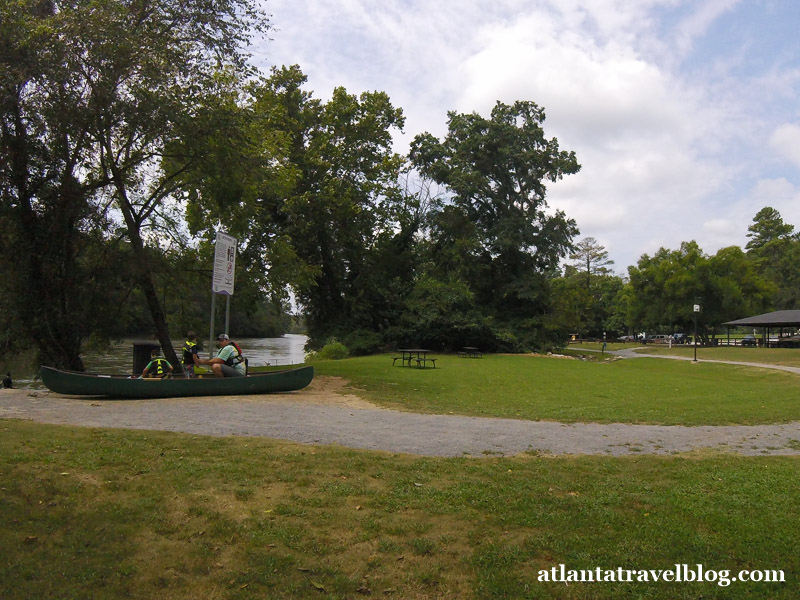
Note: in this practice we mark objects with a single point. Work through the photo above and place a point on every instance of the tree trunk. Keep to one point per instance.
(141, 260)
(151, 296)
(143, 272)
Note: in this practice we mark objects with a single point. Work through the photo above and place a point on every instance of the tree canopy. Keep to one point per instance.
(491, 229)
(666, 286)
(91, 94)
(131, 132)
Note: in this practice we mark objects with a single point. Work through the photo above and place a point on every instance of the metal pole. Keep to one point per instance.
(695, 336)
(211, 329)
(227, 314)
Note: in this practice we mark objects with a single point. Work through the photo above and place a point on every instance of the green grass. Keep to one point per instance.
(125, 514)
(539, 388)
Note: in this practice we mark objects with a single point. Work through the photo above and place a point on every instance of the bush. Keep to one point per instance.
(333, 350)
(362, 341)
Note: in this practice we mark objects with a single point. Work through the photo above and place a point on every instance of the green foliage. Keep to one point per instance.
(441, 314)
(332, 350)
(92, 94)
(316, 199)
(590, 258)
(588, 306)
(665, 287)
(768, 227)
(155, 119)
(662, 289)
(495, 169)
(491, 233)
(363, 341)
(775, 251)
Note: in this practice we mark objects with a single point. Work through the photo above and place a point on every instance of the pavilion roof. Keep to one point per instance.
(779, 318)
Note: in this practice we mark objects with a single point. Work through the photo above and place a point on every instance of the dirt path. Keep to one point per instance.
(322, 414)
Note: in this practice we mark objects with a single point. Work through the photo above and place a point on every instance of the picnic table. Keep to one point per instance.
(470, 352)
(417, 355)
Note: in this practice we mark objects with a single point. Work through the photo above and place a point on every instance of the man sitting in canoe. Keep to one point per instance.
(229, 361)
(158, 367)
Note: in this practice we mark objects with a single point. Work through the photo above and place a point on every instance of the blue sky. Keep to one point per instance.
(683, 114)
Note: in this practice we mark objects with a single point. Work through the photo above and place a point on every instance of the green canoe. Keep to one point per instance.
(122, 386)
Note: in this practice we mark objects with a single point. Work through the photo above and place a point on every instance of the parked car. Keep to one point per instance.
(680, 338)
(749, 340)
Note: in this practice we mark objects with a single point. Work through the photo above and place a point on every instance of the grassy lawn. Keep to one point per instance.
(88, 513)
(540, 388)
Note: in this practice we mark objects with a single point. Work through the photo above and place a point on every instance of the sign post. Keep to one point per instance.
(695, 310)
(222, 281)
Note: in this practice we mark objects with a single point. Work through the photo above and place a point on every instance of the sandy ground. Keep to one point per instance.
(324, 413)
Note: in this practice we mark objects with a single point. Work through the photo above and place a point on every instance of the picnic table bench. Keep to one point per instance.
(414, 355)
(470, 352)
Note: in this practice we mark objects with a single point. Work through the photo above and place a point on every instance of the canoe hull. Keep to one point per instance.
(82, 384)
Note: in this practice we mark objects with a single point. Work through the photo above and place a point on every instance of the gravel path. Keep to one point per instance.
(321, 414)
(631, 353)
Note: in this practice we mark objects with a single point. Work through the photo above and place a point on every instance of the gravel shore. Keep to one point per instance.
(322, 414)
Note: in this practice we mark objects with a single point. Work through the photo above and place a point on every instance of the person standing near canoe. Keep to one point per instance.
(158, 367)
(190, 357)
(229, 361)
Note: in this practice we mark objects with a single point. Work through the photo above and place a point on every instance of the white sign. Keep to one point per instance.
(696, 308)
(224, 264)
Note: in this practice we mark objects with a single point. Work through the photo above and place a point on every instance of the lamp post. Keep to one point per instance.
(696, 309)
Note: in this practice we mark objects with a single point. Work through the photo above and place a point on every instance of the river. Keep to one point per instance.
(118, 357)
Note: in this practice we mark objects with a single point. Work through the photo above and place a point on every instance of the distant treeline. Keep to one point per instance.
(658, 294)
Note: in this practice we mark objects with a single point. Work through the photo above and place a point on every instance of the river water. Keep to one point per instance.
(118, 358)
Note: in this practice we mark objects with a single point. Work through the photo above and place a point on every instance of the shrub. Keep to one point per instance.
(333, 350)
(363, 341)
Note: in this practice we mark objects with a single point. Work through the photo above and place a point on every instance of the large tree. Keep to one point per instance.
(46, 208)
(117, 78)
(315, 193)
(590, 258)
(774, 247)
(586, 294)
(492, 228)
(767, 227)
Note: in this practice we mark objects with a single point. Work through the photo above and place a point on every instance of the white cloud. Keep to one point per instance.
(636, 130)
(730, 229)
(785, 140)
(669, 154)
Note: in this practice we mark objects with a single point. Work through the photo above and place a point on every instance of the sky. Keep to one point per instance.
(684, 115)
